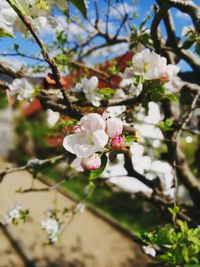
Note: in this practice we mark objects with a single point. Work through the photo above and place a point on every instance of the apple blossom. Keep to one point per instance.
(13, 214)
(21, 88)
(90, 140)
(38, 11)
(149, 64)
(114, 127)
(170, 72)
(91, 163)
(118, 143)
(16, 214)
(92, 122)
(152, 66)
(90, 88)
(52, 227)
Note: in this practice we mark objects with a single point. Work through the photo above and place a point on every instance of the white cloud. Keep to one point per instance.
(13, 62)
(181, 15)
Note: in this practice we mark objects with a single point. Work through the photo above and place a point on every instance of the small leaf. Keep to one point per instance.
(197, 48)
(172, 98)
(5, 34)
(107, 92)
(129, 139)
(80, 5)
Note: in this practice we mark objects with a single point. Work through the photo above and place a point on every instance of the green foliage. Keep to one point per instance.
(113, 70)
(61, 38)
(157, 93)
(137, 80)
(5, 34)
(80, 5)
(179, 246)
(129, 139)
(3, 100)
(171, 97)
(141, 36)
(107, 92)
(165, 125)
(197, 48)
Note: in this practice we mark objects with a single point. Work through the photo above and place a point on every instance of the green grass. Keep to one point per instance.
(134, 214)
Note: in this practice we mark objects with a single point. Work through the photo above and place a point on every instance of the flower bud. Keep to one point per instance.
(114, 127)
(92, 163)
(118, 143)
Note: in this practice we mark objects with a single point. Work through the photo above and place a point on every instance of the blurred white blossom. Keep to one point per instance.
(52, 227)
(21, 89)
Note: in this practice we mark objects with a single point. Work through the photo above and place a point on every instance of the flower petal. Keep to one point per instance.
(92, 122)
(100, 139)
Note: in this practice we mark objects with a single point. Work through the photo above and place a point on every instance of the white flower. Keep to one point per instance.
(114, 127)
(149, 64)
(22, 89)
(149, 251)
(90, 140)
(38, 12)
(52, 227)
(90, 88)
(13, 214)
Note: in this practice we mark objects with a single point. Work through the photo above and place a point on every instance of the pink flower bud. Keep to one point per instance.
(164, 77)
(92, 163)
(114, 127)
(118, 143)
(77, 129)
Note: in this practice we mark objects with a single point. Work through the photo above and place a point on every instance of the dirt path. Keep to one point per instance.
(88, 241)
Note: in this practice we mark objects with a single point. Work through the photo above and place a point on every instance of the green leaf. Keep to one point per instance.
(194, 240)
(129, 139)
(137, 80)
(172, 98)
(191, 265)
(144, 22)
(92, 175)
(157, 93)
(197, 48)
(5, 34)
(107, 92)
(80, 5)
(183, 226)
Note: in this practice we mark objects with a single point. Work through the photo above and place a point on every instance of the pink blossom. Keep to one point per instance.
(118, 143)
(92, 122)
(91, 139)
(77, 129)
(92, 163)
(114, 127)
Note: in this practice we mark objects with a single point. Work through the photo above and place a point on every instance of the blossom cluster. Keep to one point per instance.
(38, 12)
(20, 89)
(52, 226)
(90, 89)
(145, 66)
(16, 214)
(92, 135)
(148, 65)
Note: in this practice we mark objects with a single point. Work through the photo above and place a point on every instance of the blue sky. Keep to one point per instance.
(28, 46)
